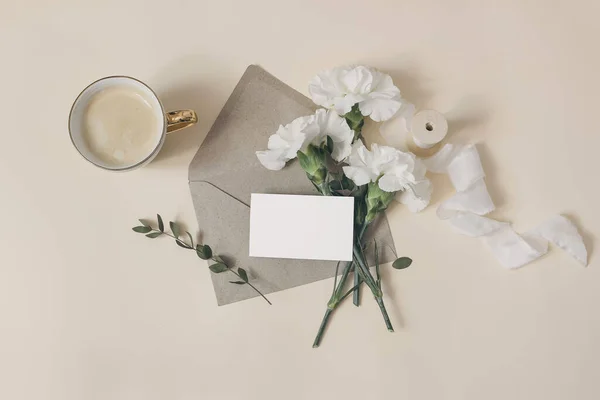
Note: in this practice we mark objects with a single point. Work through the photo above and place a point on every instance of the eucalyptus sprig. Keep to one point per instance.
(203, 251)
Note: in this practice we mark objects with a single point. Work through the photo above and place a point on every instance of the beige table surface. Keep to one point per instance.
(89, 310)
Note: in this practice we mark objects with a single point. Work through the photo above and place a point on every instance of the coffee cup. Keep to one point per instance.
(118, 123)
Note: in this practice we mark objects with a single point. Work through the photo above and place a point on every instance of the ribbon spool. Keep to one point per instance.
(428, 128)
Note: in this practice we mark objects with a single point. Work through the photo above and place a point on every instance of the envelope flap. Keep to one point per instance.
(253, 112)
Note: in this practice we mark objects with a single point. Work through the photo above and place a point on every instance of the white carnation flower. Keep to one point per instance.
(285, 143)
(418, 196)
(341, 88)
(394, 170)
(297, 135)
(328, 123)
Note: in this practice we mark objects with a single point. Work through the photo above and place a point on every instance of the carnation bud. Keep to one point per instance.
(313, 163)
(377, 201)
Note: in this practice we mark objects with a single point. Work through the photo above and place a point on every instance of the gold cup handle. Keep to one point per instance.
(180, 119)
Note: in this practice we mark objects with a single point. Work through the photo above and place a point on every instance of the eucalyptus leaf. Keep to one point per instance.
(153, 235)
(218, 268)
(175, 229)
(238, 282)
(182, 244)
(144, 223)
(402, 262)
(243, 274)
(161, 225)
(191, 240)
(204, 252)
(142, 229)
(200, 252)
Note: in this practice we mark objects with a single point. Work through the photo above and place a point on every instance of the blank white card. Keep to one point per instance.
(301, 227)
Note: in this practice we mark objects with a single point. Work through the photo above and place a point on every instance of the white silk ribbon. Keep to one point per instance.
(466, 209)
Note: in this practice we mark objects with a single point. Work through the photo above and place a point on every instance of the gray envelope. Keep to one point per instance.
(225, 171)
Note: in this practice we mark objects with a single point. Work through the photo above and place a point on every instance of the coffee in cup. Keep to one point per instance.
(118, 123)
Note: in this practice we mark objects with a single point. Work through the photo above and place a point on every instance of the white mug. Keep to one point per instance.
(166, 122)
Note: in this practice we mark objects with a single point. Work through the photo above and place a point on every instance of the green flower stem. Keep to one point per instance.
(351, 290)
(373, 286)
(334, 301)
(356, 295)
(173, 236)
(386, 317)
(317, 341)
(357, 278)
(228, 268)
(336, 296)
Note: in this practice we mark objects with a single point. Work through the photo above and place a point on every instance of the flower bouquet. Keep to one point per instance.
(330, 149)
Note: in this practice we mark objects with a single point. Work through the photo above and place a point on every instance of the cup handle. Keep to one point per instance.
(180, 119)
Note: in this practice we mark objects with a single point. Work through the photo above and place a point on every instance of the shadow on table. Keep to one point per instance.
(189, 139)
(196, 83)
(392, 303)
(588, 237)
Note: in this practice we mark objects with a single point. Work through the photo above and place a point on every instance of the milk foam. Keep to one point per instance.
(120, 126)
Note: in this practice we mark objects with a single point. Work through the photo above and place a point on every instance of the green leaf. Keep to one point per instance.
(218, 268)
(348, 183)
(402, 262)
(335, 185)
(191, 240)
(143, 223)
(182, 244)
(355, 120)
(329, 144)
(303, 159)
(243, 274)
(154, 235)
(161, 225)
(238, 282)
(175, 229)
(204, 251)
(219, 259)
(142, 229)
